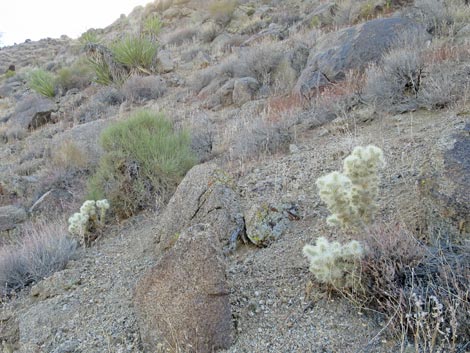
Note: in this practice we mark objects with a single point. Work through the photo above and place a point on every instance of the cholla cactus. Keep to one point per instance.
(351, 196)
(102, 205)
(362, 167)
(82, 222)
(335, 191)
(333, 263)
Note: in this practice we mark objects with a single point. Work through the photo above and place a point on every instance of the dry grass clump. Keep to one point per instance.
(42, 249)
(422, 290)
(138, 89)
(69, 157)
(222, 10)
(43, 82)
(414, 76)
(102, 104)
(181, 36)
(442, 18)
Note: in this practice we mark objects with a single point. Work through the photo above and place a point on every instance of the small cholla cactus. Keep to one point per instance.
(333, 263)
(335, 191)
(350, 196)
(81, 223)
(102, 205)
(362, 167)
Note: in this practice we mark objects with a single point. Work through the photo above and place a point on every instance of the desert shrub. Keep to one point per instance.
(101, 70)
(222, 10)
(68, 156)
(441, 18)
(102, 104)
(258, 137)
(144, 158)
(152, 26)
(135, 52)
(138, 89)
(181, 36)
(78, 75)
(43, 82)
(90, 36)
(209, 33)
(42, 249)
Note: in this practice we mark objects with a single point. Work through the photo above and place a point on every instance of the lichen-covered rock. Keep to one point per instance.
(266, 223)
(204, 196)
(183, 301)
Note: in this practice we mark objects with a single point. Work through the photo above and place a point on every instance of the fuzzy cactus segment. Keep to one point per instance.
(335, 191)
(351, 196)
(334, 264)
(362, 168)
(86, 221)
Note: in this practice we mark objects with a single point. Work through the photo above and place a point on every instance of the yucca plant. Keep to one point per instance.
(42, 82)
(135, 52)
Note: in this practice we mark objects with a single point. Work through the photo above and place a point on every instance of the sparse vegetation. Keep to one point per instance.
(138, 89)
(420, 288)
(144, 159)
(152, 26)
(43, 82)
(79, 75)
(222, 10)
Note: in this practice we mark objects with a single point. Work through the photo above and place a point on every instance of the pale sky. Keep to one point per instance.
(37, 19)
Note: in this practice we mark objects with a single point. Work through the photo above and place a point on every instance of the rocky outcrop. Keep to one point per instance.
(444, 187)
(32, 112)
(204, 196)
(353, 48)
(183, 300)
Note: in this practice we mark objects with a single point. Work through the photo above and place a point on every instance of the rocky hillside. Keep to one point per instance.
(201, 249)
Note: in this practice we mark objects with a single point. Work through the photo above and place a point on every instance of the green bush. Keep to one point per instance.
(144, 160)
(42, 82)
(78, 75)
(101, 70)
(135, 52)
(90, 36)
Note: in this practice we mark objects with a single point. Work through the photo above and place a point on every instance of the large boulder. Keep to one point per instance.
(33, 111)
(444, 186)
(204, 196)
(183, 301)
(354, 48)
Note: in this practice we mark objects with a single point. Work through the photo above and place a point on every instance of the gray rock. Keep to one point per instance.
(266, 223)
(244, 90)
(204, 196)
(311, 81)
(354, 48)
(11, 216)
(183, 301)
(444, 185)
(164, 62)
(33, 111)
(9, 328)
(462, 37)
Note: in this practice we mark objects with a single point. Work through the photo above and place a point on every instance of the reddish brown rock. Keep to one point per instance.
(182, 303)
